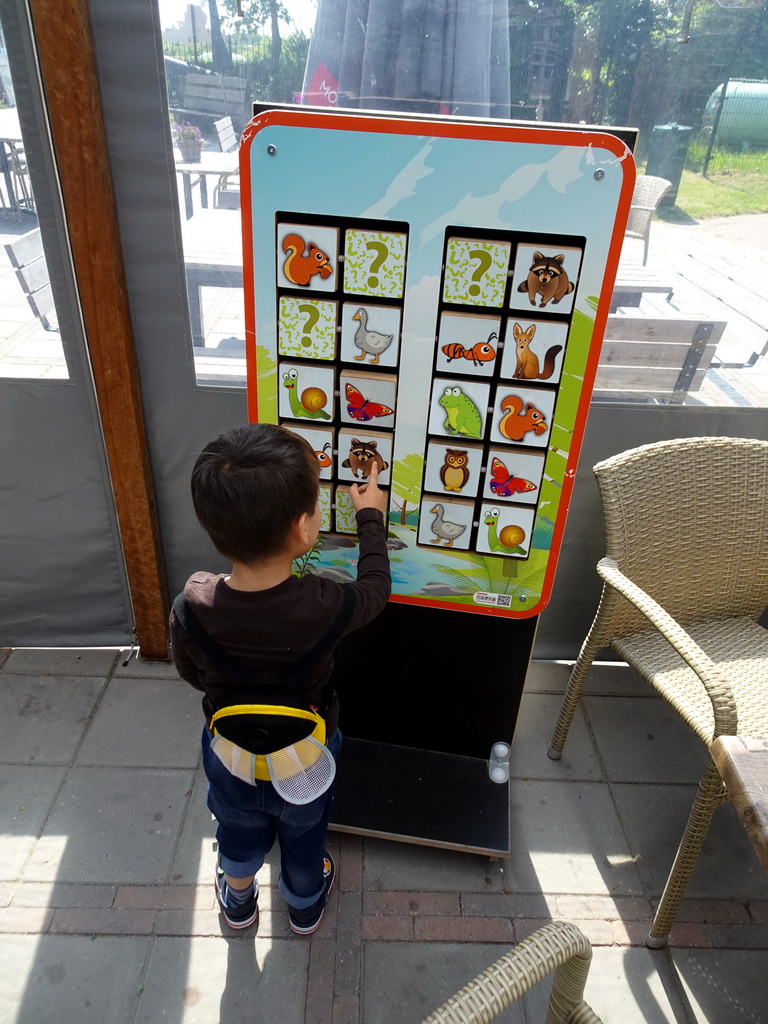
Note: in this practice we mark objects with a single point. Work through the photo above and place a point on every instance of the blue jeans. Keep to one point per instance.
(251, 817)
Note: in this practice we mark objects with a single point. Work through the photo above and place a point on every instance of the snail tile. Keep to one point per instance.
(306, 392)
(505, 530)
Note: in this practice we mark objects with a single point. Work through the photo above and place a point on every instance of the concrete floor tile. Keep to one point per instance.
(644, 740)
(112, 825)
(200, 980)
(567, 838)
(723, 985)
(44, 719)
(147, 722)
(26, 796)
(141, 668)
(533, 735)
(618, 679)
(405, 981)
(401, 866)
(654, 818)
(547, 677)
(70, 979)
(56, 661)
(633, 986)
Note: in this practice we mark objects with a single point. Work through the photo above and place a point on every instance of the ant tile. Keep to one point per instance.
(358, 449)
(476, 272)
(534, 350)
(445, 522)
(513, 475)
(458, 408)
(453, 468)
(321, 442)
(306, 327)
(368, 397)
(370, 335)
(545, 279)
(522, 415)
(306, 391)
(307, 257)
(374, 263)
(468, 344)
(505, 530)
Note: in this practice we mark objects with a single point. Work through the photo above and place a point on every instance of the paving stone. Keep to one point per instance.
(109, 921)
(394, 866)
(26, 796)
(147, 722)
(547, 677)
(663, 747)
(723, 985)
(44, 719)
(405, 982)
(568, 838)
(141, 668)
(533, 735)
(112, 825)
(199, 980)
(62, 894)
(70, 979)
(55, 661)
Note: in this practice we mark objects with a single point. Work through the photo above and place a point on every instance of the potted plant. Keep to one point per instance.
(189, 139)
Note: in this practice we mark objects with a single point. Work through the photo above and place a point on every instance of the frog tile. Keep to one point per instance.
(458, 408)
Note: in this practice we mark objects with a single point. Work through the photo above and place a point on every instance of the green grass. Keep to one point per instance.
(721, 195)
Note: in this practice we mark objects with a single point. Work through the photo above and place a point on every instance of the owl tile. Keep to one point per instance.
(370, 334)
(545, 278)
(505, 530)
(512, 475)
(321, 443)
(358, 450)
(534, 350)
(307, 257)
(368, 397)
(468, 344)
(453, 468)
(306, 391)
(476, 272)
(458, 408)
(522, 415)
(445, 522)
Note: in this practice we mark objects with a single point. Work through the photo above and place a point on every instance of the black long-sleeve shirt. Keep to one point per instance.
(271, 629)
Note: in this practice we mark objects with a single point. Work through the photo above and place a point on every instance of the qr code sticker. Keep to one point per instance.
(504, 601)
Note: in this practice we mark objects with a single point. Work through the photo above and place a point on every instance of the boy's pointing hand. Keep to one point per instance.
(368, 495)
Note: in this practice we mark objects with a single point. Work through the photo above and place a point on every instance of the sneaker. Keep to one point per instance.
(237, 915)
(304, 922)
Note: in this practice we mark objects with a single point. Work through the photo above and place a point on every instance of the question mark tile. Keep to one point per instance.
(476, 272)
(307, 327)
(324, 500)
(374, 263)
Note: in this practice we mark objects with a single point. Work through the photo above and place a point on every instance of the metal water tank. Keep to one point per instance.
(743, 119)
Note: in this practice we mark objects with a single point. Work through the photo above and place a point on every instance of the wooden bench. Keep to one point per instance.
(656, 358)
(206, 98)
(28, 260)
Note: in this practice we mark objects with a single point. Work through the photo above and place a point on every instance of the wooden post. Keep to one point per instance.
(68, 71)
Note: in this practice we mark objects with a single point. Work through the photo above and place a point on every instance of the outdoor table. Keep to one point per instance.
(10, 138)
(633, 280)
(743, 763)
(217, 164)
(213, 258)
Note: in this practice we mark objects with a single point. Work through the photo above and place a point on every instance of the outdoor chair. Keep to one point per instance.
(685, 580)
(646, 197)
(226, 192)
(558, 947)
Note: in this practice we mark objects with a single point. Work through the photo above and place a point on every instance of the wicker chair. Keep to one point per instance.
(647, 195)
(685, 580)
(558, 947)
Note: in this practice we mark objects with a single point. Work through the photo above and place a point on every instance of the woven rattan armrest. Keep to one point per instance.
(718, 690)
(559, 947)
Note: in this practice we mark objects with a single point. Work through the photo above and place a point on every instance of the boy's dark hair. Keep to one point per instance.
(250, 485)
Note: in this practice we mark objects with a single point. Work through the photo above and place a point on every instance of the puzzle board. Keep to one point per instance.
(431, 295)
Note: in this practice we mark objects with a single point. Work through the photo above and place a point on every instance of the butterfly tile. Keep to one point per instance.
(367, 397)
(512, 475)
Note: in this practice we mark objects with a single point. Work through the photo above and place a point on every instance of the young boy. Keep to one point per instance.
(255, 492)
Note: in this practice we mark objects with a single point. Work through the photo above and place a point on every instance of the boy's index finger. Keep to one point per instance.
(374, 476)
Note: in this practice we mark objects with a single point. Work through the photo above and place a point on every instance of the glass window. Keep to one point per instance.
(689, 320)
(30, 344)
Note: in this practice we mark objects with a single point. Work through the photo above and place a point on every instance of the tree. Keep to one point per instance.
(407, 473)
